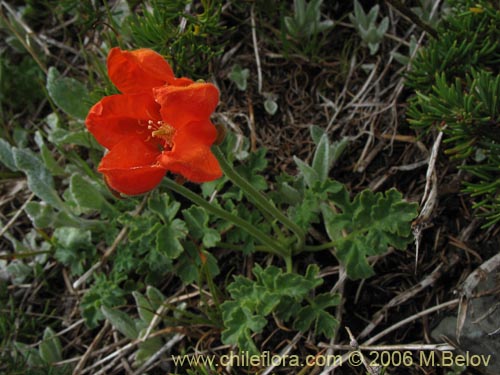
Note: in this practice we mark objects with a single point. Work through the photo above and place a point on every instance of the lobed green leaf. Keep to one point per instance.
(367, 226)
(315, 315)
(272, 291)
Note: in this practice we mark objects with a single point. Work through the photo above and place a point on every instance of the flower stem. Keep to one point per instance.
(288, 264)
(272, 246)
(324, 246)
(258, 198)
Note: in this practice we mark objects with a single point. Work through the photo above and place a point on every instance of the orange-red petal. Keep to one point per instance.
(117, 116)
(131, 167)
(138, 71)
(182, 81)
(191, 155)
(181, 105)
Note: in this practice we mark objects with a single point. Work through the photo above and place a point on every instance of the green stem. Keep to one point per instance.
(273, 223)
(230, 246)
(324, 246)
(289, 264)
(211, 285)
(24, 255)
(273, 246)
(258, 198)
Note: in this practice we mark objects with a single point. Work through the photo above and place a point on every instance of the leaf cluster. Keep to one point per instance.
(358, 228)
(153, 313)
(367, 226)
(366, 26)
(42, 359)
(467, 39)
(179, 30)
(306, 20)
(457, 88)
(280, 294)
(158, 237)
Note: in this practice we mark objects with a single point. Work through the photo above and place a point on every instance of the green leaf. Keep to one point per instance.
(40, 214)
(121, 322)
(292, 27)
(323, 26)
(73, 247)
(31, 355)
(333, 224)
(40, 181)
(314, 315)
(253, 296)
(289, 194)
(365, 24)
(146, 349)
(168, 238)
(50, 348)
(372, 15)
(240, 323)
(336, 150)
(239, 76)
(73, 238)
(7, 155)
(306, 19)
(50, 162)
(367, 226)
(360, 15)
(144, 307)
(163, 206)
(272, 291)
(306, 212)
(270, 106)
(47, 157)
(352, 253)
(85, 194)
(192, 268)
(68, 94)
(316, 133)
(141, 227)
(400, 58)
(44, 216)
(82, 138)
(197, 222)
(155, 297)
(299, 7)
(103, 292)
(288, 284)
(310, 175)
(255, 163)
(321, 160)
(382, 28)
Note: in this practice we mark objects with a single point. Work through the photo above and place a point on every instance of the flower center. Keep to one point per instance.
(163, 131)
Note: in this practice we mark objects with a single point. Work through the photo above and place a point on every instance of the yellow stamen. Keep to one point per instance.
(165, 132)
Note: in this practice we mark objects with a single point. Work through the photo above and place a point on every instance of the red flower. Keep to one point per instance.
(159, 123)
